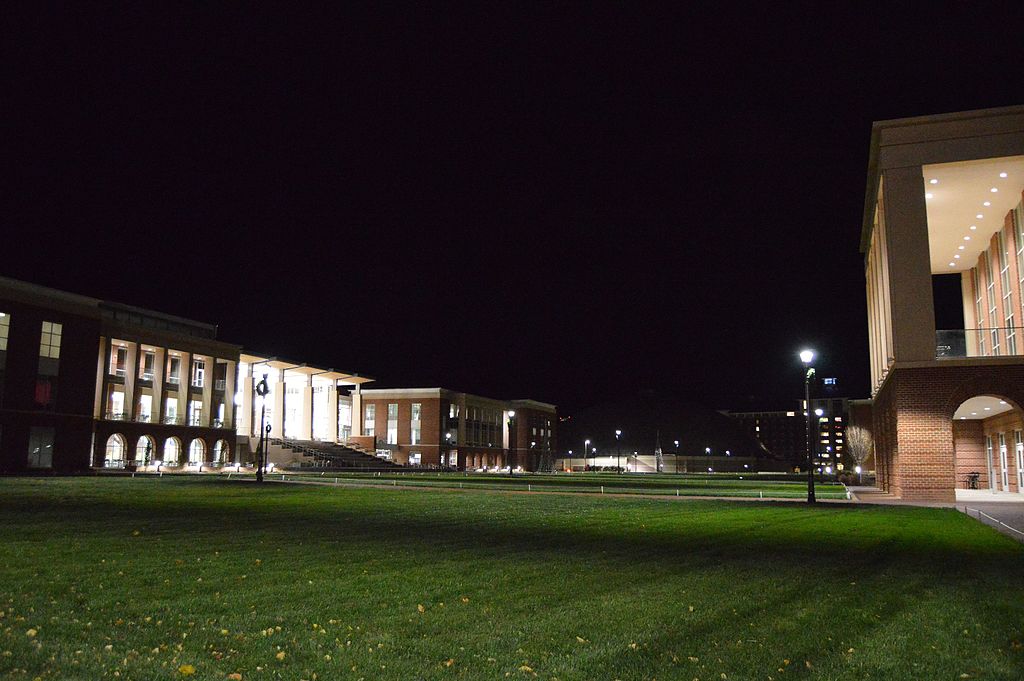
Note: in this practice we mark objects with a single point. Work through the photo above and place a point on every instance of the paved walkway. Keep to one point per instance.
(1007, 517)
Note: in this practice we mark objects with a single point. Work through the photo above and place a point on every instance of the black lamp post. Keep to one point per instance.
(511, 442)
(807, 356)
(262, 389)
(586, 451)
(618, 451)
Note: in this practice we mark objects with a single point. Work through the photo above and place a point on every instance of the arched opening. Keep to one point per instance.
(988, 447)
(145, 450)
(114, 456)
(196, 452)
(221, 450)
(172, 451)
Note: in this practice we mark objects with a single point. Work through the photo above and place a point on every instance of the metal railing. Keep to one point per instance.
(220, 384)
(116, 416)
(984, 342)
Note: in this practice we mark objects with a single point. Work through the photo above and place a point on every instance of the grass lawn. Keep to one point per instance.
(104, 578)
(727, 485)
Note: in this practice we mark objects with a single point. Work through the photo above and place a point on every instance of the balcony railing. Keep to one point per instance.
(173, 380)
(173, 420)
(985, 342)
(116, 416)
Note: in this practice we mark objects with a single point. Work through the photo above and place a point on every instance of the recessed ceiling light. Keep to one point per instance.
(988, 408)
(987, 204)
(952, 264)
(967, 238)
(961, 247)
(963, 418)
(980, 216)
(974, 226)
(1002, 174)
(1002, 401)
(974, 413)
(933, 181)
(957, 256)
(993, 190)
(929, 195)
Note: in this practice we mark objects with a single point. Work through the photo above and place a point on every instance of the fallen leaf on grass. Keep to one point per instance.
(186, 670)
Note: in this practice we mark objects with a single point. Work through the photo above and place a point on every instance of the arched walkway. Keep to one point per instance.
(145, 451)
(172, 452)
(988, 445)
(221, 452)
(196, 452)
(114, 455)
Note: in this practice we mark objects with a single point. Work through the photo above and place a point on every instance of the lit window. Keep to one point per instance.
(369, 419)
(49, 340)
(198, 372)
(5, 330)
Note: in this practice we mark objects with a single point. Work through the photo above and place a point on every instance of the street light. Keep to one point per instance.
(618, 452)
(511, 441)
(593, 458)
(570, 461)
(677, 456)
(586, 448)
(807, 356)
(634, 462)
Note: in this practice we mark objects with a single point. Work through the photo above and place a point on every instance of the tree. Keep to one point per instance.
(858, 444)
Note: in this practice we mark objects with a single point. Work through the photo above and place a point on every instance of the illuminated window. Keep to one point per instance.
(118, 359)
(369, 419)
(198, 372)
(5, 330)
(417, 410)
(392, 424)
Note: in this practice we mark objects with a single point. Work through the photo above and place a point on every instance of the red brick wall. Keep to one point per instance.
(969, 441)
(913, 423)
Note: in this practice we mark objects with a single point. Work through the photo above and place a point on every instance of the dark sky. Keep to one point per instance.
(551, 200)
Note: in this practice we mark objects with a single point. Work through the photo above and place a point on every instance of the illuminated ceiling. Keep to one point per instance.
(959, 222)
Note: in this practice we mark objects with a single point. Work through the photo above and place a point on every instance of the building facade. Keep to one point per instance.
(92, 383)
(440, 427)
(944, 196)
(783, 434)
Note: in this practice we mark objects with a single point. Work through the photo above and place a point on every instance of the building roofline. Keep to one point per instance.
(871, 190)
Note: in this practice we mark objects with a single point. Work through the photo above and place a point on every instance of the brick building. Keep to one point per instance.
(944, 196)
(93, 383)
(440, 427)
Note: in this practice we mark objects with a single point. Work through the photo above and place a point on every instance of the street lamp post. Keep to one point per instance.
(570, 461)
(677, 456)
(807, 356)
(618, 451)
(593, 458)
(262, 390)
(586, 450)
(511, 442)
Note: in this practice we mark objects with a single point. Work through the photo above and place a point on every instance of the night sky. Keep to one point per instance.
(555, 201)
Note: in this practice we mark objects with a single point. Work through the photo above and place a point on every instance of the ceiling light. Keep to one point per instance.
(1002, 401)
(961, 247)
(993, 190)
(929, 196)
(963, 418)
(987, 203)
(980, 216)
(974, 413)
(952, 264)
(1002, 174)
(974, 226)
(957, 256)
(988, 408)
(967, 238)
(933, 181)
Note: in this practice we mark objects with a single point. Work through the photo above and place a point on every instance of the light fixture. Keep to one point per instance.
(967, 238)
(961, 247)
(980, 216)
(974, 226)
(929, 196)
(952, 264)
(1002, 401)
(1002, 174)
(933, 181)
(988, 408)
(974, 413)
(963, 418)
(957, 256)
(994, 190)
(806, 356)
(987, 204)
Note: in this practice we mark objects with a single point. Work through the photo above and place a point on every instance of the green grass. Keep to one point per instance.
(132, 579)
(725, 485)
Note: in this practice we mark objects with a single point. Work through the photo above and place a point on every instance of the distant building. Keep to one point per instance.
(440, 427)
(93, 383)
(783, 434)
